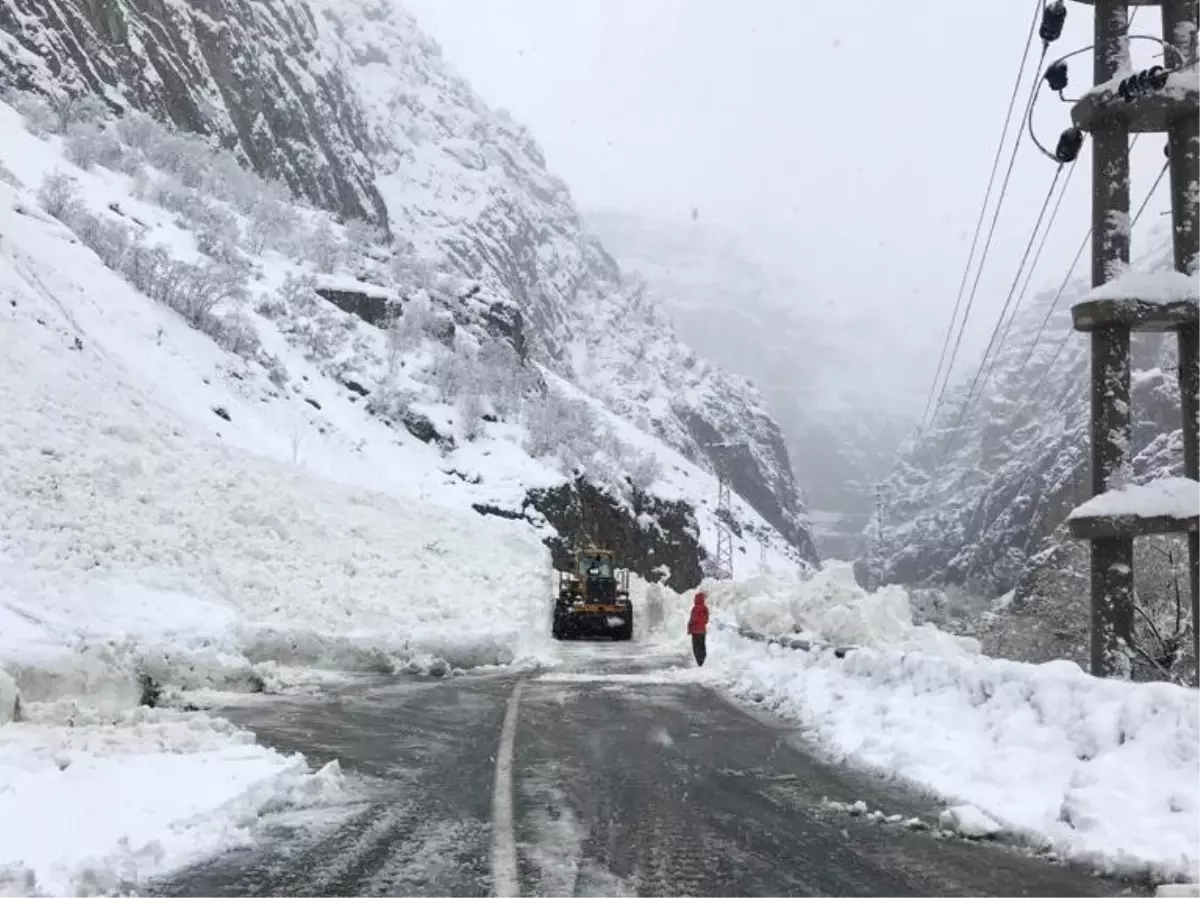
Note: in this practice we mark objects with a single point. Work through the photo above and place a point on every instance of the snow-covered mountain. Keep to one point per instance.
(976, 495)
(806, 352)
(454, 295)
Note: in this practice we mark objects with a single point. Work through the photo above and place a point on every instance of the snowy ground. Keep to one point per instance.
(1106, 773)
(92, 802)
(150, 545)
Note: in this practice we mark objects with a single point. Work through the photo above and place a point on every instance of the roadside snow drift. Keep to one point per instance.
(131, 527)
(1103, 772)
(94, 804)
(828, 607)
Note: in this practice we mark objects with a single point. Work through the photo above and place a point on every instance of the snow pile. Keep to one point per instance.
(94, 804)
(968, 821)
(124, 526)
(828, 607)
(1105, 772)
(1167, 497)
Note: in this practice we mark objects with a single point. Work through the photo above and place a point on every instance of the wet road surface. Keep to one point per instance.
(611, 777)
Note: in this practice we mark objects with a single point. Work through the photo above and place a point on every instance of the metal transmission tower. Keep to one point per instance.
(1160, 99)
(880, 508)
(724, 559)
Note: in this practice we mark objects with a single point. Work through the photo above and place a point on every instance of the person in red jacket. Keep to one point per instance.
(698, 628)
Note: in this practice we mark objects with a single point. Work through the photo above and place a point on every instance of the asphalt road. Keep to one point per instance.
(606, 778)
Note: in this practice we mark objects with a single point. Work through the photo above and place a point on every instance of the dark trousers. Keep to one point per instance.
(699, 649)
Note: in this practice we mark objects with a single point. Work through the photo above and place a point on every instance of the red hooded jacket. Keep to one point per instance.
(698, 621)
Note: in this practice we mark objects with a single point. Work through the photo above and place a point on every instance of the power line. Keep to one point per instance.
(1028, 279)
(1067, 335)
(988, 243)
(1038, 8)
(999, 321)
(1032, 472)
(1066, 279)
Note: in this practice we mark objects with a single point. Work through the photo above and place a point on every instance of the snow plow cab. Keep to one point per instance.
(593, 598)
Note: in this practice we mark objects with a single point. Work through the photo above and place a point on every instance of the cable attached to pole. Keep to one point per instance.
(992, 342)
(1039, 10)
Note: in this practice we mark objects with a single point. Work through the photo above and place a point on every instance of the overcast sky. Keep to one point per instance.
(849, 142)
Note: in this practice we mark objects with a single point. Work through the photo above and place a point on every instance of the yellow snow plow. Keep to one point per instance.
(593, 598)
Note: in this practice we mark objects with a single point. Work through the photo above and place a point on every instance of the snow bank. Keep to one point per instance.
(92, 803)
(827, 606)
(1101, 771)
(128, 532)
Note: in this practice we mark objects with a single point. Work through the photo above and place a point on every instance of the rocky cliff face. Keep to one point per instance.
(350, 105)
(250, 74)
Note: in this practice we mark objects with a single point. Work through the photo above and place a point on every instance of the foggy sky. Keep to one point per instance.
(849, 143)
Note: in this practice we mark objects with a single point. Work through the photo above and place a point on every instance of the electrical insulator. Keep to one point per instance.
(1056, 76)
(1156, 77)
(1069, 145)
(1053, 17)
(1167, 150)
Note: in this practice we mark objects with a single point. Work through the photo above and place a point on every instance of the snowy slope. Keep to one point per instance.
(468, 187)
(331, 527)
(333, 95)
(108, 479)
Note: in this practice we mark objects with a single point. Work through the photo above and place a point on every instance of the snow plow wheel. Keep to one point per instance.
(626, 632)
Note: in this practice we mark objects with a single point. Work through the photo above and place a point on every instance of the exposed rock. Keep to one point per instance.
(495, 511)
(504, 320)
(250, 75)
(423, 429)
(589, 514)
(10, 699)
(375, 309)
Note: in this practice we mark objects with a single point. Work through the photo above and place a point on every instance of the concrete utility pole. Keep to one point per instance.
(1109, 115)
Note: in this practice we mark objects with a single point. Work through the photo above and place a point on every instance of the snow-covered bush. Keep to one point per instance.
(272, 226)
(325, 249)
(111, 240)
(558, 425)
(1050, 620)
(411, 327)
(88, 143)
(643, 469)
(310, 322)
(55, 114)
(502, 376)
(362, 236)
(58, 194)
(390, 401)
(77, 109)
(450, 374)
(215, 228)
(470, 413)
(234, 333)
